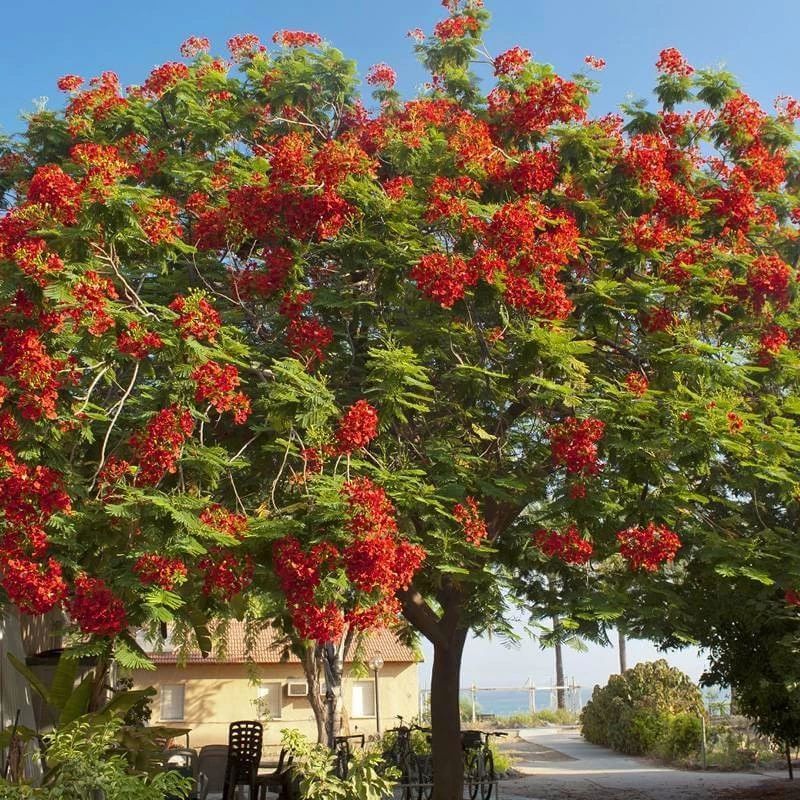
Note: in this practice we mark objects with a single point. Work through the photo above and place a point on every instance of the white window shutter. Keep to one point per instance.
(172, 701)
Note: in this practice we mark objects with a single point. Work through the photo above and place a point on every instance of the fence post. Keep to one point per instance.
(474, 697)
(703, 740)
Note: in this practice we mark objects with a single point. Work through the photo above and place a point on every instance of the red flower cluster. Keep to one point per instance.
(468, 515)
(535, 172)
(244, 45)
(735, 422)
(216, 385)
(296, 38)
(69, 83)
(573, 443)
(792, 597)
(637, 383)
(103, 165)
(195, 45)
(196, 317)
(54, 190)
(773, 339)
(569, 546)
(158, 221)
(224, 521)
(165, 77)
(92, 294)
(357, 427)
(769, 279)
(512, 61)
(163, 571)
(443, 278)
(158, 447)
(308, 339)
(262, 280)
(649, 547)
(31, 370)
(455, 27)
(226, 574)
(672, 62)
(299, 573)
(138, 342)
(32, 585)
(96, 609)
(381, 75)
(595, 63)
(541, 104)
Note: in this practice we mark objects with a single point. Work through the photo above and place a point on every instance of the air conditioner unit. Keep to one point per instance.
(297, 688)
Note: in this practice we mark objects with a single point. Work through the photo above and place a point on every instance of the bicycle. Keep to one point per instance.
(416, 772)
(479, 773)
(341, 747)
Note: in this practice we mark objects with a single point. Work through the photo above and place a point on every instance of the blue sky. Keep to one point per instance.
(39, 41)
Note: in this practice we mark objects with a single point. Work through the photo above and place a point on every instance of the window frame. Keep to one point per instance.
(268, 684)
(182, 687)
(353, 713)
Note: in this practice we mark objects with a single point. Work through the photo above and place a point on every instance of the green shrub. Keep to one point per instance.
(650, 709)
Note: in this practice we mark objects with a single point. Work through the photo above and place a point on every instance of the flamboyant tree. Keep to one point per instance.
(259, 341)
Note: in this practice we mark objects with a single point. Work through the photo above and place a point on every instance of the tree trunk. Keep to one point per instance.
(560, 693)
(311, 668)
(448, 762)
(623, 654)
(789, 761)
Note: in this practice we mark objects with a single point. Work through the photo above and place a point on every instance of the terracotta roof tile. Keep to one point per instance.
(269, 648)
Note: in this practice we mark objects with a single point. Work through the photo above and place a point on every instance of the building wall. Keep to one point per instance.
(217, 694)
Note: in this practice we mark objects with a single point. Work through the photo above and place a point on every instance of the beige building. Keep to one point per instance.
(206, 695)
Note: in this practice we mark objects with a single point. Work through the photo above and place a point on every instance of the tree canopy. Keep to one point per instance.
(261, 342)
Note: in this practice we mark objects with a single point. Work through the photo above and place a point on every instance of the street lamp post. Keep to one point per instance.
(376, 664)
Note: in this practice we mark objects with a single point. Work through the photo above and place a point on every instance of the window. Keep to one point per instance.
(270, 701)
(172, 696)
(363, 704)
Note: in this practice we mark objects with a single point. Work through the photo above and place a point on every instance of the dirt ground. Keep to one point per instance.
(557, 764)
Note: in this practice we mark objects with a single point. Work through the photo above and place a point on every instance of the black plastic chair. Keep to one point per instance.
(278, 780)
(244, 755)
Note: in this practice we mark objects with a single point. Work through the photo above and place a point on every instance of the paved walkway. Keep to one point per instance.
(556, 764)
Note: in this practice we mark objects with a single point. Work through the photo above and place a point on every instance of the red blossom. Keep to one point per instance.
(381, 75)
(735, 422)
(647, 548)
(769, 279)
(54, 190)
(225, 574)
(442, 278)
(357, 427)
(244, 45)
(570, 547)
(637, 384)
(138, 342)
(164, 78)
(163, 571)
(34, 587)
(296, 38)
(308, 339)
(95, 608)
(69, 83)
(195, 45)
(216, 385)
(672, 62)
(197, 318)
(573, 443)
(158, 446)
(468, 515)
(455, 27)
(512, 61)
(595, 63)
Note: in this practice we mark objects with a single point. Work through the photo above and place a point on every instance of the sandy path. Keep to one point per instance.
(556, 764)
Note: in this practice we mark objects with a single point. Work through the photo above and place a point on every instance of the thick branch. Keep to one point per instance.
(417, 611)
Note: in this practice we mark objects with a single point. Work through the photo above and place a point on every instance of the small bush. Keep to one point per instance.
(650, 709)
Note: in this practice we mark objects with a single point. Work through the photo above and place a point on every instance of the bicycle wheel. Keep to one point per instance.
(411, 778)
(341, 763)
(425, 777)
(472, 773)
(489, 776)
